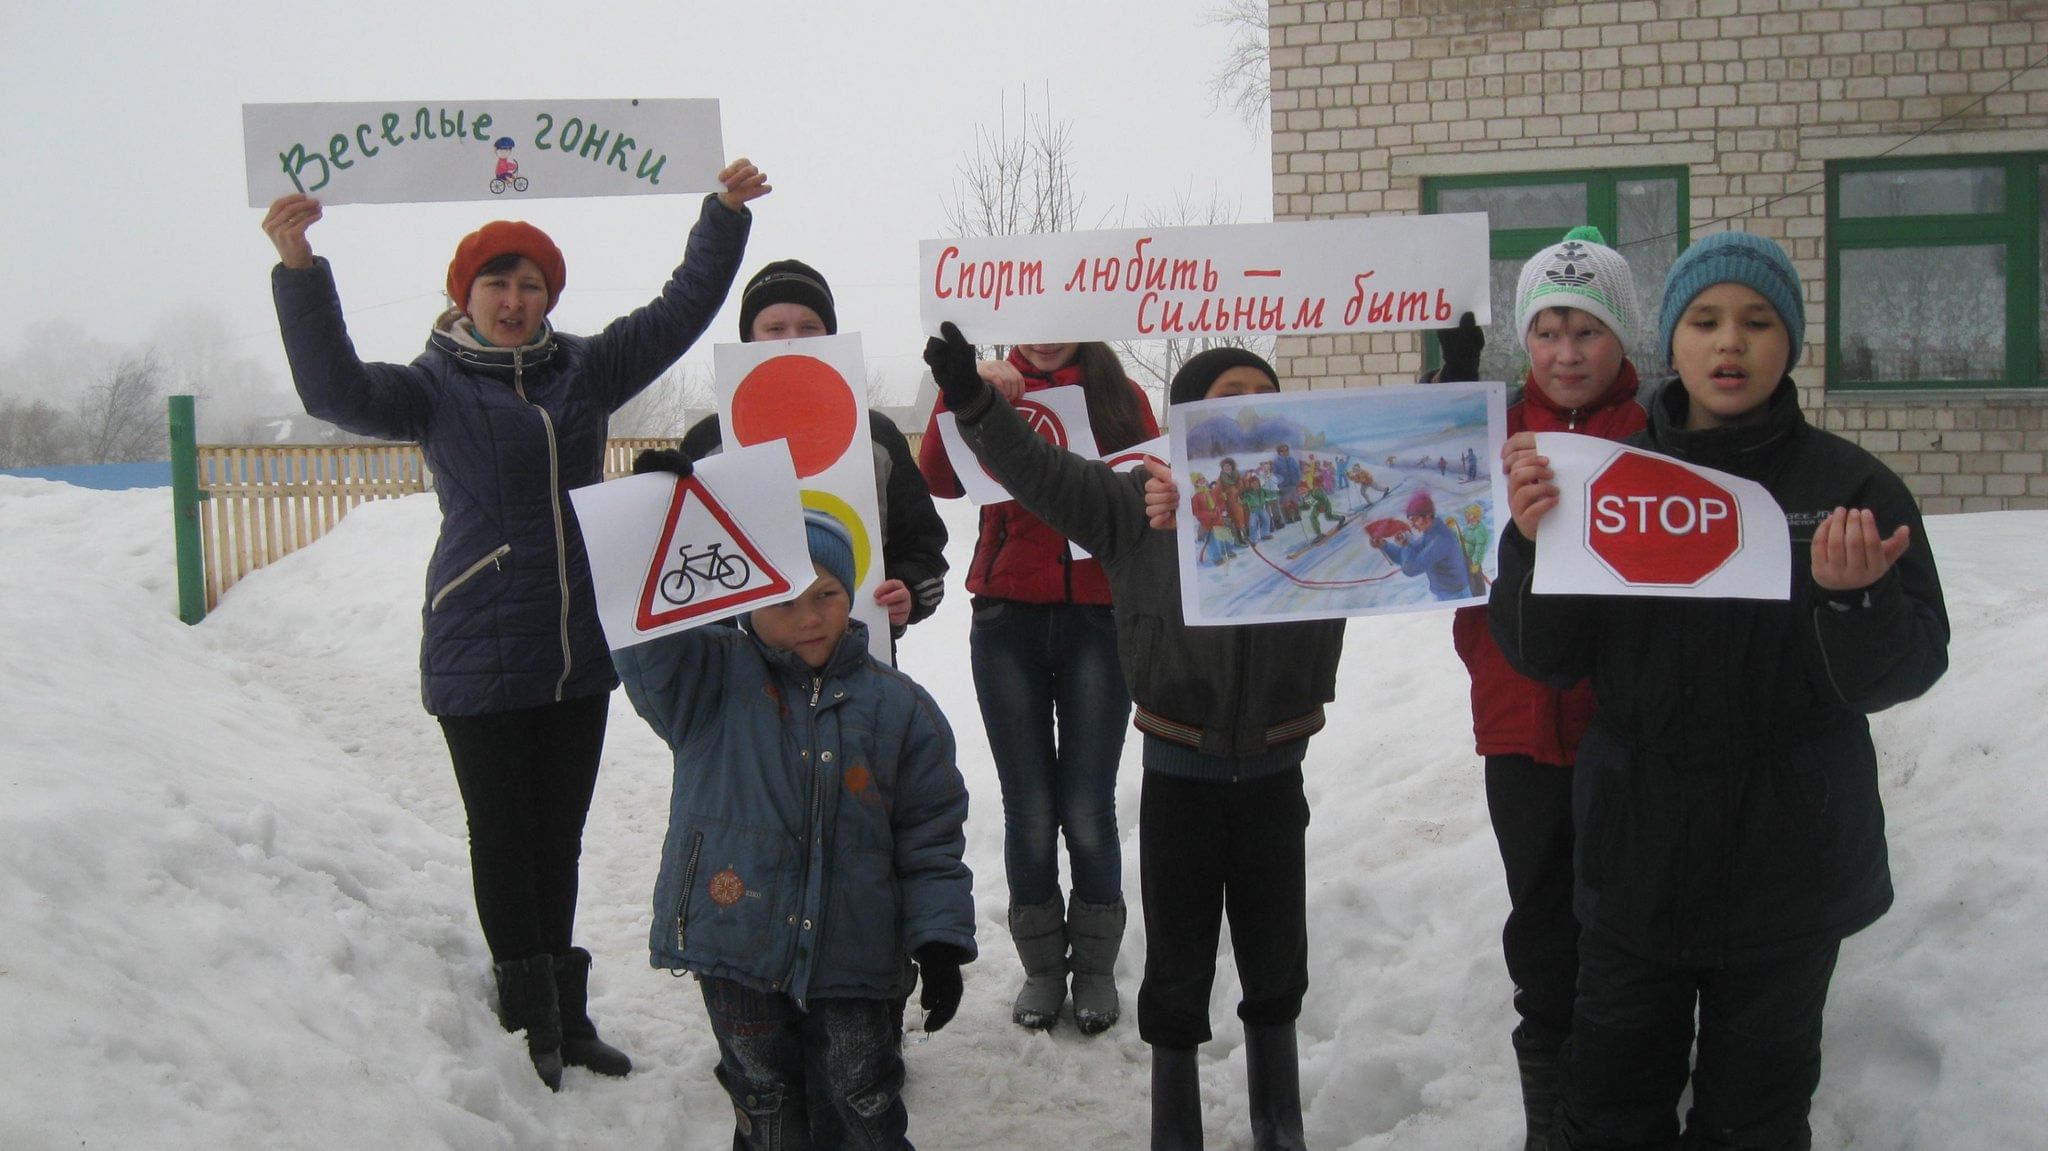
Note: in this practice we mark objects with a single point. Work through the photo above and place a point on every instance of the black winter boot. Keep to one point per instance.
(527, 1002)
(1272, 1066)
(1539, 1062)
(580, 1045)
(1176, 1100)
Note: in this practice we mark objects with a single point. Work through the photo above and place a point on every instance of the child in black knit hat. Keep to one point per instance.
(1226, 714)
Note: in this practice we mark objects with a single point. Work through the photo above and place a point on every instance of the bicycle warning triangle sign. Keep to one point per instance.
(705, 566)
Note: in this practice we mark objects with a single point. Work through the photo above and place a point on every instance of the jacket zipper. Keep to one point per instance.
(447, 588)
(683, 902)
(811, 825)
(555, 506)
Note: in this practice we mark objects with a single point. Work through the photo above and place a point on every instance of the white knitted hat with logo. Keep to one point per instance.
(1581, 272)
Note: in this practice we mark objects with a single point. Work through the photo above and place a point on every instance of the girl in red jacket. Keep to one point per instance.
(1575, 305)
(1053, 700)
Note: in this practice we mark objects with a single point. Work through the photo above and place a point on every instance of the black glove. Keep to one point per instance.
(938, 966)
(1461, 347)
(952, 361)
(662, 460)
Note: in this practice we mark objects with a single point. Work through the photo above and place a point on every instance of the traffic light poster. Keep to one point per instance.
(811, 394)
(1322, 504)
(1635, 523)
(669, 553)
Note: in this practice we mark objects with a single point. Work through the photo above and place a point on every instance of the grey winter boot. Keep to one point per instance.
(527, 1002)
(1040, 932)
(1096, 932)
(1539, 1064)
(1273, 1080)
(580, 1045)
(1176, 1099)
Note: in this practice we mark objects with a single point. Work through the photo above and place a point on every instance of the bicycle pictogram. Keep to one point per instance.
(680, 585)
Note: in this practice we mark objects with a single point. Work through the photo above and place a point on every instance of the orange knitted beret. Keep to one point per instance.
(503, 237)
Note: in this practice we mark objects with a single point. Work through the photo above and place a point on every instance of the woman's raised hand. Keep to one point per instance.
(286, 225)
(742, 182)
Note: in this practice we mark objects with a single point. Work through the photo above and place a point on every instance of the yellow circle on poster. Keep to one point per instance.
(825, 503)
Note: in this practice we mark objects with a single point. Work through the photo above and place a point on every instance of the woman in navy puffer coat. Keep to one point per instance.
(511, 415)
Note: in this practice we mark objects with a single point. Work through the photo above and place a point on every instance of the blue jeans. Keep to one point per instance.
(1055, 707)
(827, 1079)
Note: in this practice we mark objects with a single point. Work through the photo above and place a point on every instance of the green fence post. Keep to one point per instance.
(185, 497)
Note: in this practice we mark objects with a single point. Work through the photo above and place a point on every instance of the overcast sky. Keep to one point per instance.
(123, 198)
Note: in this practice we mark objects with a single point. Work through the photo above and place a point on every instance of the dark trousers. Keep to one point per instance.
(826, 1079)
(1531, 806)
(526, 777)
(1753, 1078)
(1055, 707)
(1206, 849)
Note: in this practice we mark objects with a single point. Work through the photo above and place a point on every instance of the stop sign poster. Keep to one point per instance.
(668, 554)
(1058, 414)
(1631, 522)
(811, 394)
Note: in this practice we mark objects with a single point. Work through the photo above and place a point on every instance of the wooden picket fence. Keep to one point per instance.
(260, 504)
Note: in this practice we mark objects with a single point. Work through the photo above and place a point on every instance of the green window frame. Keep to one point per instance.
(1600, 189)
(2015, 229)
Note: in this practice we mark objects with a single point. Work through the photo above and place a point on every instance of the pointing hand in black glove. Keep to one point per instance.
(662, 460)
(938, 964)
(1461, 346)
(952, 361)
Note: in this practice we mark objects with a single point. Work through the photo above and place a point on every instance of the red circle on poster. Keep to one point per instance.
(801, 399)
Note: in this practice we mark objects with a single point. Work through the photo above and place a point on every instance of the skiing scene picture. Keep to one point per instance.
(1315, 505)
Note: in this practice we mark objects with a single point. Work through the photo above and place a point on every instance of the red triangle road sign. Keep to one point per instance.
(706, 565)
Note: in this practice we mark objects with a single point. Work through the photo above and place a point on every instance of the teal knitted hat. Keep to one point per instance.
(831, 547)
(1735, 258)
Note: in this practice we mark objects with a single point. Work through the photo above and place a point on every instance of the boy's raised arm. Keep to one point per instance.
(666, 677)
(1085, 500)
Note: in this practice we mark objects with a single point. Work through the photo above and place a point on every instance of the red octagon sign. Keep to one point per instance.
(1655, 523)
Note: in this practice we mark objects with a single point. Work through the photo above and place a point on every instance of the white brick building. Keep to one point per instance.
(1898, 151)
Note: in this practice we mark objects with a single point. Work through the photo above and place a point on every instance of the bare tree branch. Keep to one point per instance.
(122, 418)
(34, 435)
(1155, 361)
(669, 406)
(1017, 184)
(1244, 80)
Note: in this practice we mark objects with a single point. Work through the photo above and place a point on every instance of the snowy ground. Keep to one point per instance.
(235, 906)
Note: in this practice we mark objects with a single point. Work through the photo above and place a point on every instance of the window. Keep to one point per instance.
(1641, 211)
(1936, 272)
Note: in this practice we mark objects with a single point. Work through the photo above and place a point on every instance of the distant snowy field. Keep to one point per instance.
(235, 907)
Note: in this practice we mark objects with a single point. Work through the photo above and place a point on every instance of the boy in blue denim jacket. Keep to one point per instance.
(815, 837)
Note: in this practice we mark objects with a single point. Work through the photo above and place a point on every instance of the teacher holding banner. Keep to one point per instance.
(511, 415)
